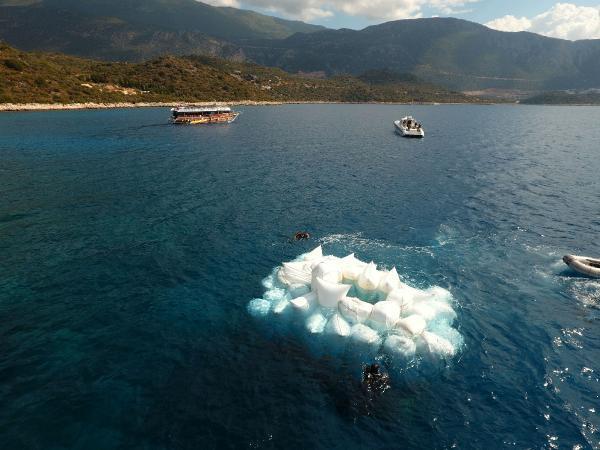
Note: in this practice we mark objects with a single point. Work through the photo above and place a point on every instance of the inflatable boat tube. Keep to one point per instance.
(584, 265)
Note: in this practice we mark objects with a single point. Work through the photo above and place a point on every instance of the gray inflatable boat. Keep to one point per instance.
(583, 264)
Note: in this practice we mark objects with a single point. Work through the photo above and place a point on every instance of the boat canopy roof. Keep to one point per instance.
(198, 110)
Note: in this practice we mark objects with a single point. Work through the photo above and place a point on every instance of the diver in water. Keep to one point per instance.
(301, 236)
(374, 380)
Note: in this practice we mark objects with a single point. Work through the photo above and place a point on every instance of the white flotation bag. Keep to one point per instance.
(413, 325)
(369, 278)
(389, 281)
(355, 310)
(295, 272)
(352, 267)
(327, 270)
(389, 319)
(329, 294)
(305, 302)
(364, 334)
(337, 326)
(384, 315)
(403, 296)
(317, 253)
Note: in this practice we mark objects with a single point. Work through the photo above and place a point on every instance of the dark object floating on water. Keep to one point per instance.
(583, 264)
(301, 236)
(374, 380)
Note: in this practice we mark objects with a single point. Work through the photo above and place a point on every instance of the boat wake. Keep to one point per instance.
(586, 291)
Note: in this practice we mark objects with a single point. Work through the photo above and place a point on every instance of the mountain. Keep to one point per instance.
(587, 97)
(136, 29)
(459, 54)
(55, 78)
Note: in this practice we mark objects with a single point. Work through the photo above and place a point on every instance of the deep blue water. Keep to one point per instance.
(130, 248)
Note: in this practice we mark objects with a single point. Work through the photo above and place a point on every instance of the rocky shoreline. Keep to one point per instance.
(72, 106)
(76, 106)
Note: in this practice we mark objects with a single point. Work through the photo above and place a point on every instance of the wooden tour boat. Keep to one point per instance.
(187, 115)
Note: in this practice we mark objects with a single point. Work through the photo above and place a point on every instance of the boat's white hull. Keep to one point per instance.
(584, 265)
(406, 132)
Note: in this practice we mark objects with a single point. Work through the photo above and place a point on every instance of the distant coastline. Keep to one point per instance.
(8, 107)
(5, 107)
(37, 81)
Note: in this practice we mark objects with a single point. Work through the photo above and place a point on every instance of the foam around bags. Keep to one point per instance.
(337, 326)
(389, 281)
(439, 293)
(369, 278)
(259, 307)
(315, 324)
(400, 346)
(452, 335)
(297, 290)
(408, 322)
(384, 315)
(403, 291)
(275, 294)
(355, 310)
(305, 302)
(364, 334)
(281, 306)
(329, 294)
(431, 294)
(414, 325)
(435, 345)
(433, 310)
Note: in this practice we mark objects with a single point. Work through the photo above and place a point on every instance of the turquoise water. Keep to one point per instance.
(129, 250)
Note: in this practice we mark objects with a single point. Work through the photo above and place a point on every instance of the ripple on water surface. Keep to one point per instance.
(129, 250)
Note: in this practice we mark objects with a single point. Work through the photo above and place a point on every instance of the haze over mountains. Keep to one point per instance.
(38, 77)
(459, 54)
(134, 30)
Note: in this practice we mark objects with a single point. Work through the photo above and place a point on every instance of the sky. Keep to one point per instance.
(579, 19)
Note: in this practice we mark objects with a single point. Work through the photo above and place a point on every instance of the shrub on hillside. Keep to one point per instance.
(14, 64)
(98, 78)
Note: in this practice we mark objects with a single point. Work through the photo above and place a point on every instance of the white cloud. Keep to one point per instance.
(563, 20)
(375, 10)
(510, 23)
(449, 6)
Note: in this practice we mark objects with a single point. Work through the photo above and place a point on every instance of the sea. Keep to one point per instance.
(130, 248)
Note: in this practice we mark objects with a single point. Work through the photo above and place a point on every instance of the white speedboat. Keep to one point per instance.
(583, 264)
(409, 127)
